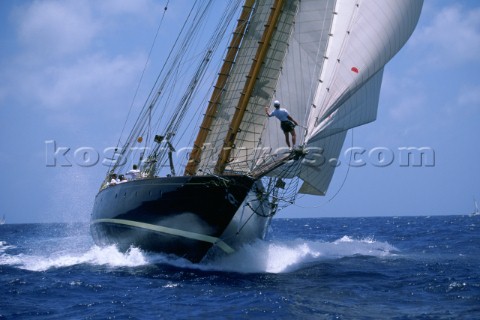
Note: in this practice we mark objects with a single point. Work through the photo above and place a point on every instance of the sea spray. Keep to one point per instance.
(105, 256)
(72, 245)
(289, 256)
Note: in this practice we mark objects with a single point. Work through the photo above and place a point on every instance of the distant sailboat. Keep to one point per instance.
(2, 220)
(475, 212)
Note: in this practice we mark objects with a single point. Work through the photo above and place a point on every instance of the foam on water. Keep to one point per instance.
(105, 256)
(4, 246)
(288, 256)
(259, 257)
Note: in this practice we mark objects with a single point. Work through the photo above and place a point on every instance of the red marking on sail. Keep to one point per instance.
(355, 69)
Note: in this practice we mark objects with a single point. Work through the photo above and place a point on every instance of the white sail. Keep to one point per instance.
(363, 35)
(476, 211)
(364, 38)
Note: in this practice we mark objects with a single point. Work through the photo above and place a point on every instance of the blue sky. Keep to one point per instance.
(69, 70)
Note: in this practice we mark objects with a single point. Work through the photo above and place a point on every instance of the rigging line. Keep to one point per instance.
(172, 50)
(144, 112)
(174, 70)
(193, 87)
(140, 122)
(182, 53)
(143, 72)
(346, 174)
(182, 107)
(341, 186)
(203, 63)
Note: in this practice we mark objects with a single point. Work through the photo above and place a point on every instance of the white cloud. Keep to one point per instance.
(418, 87)
(93, 78)
(55, 28)
(69, 57)
(452, 37)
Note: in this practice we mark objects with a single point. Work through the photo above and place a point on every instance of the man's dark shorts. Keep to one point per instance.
(287, 126)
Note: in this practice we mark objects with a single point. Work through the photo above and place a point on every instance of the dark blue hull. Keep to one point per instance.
(184, 216)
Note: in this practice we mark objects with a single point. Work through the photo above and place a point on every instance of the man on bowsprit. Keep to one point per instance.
(286, 122)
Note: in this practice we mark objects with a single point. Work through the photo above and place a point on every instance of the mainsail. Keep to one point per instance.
(325, 63)
(253, 122)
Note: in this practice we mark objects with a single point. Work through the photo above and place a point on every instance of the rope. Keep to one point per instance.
(346, 174)
(341, 186)
(164, 89)
(143, 73)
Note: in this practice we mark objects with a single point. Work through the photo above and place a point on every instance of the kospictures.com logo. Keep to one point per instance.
(59, 156)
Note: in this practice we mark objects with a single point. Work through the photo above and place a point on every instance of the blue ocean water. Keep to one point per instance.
(325, 268)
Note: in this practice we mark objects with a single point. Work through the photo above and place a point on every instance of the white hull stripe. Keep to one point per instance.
(186, 234)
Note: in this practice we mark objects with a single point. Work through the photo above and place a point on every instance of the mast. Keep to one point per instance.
(262, 50)
(238, 34)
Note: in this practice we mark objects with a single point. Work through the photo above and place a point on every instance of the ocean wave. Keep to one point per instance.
(289, 256)
(258, 257)
(4, 246)
(100, 256)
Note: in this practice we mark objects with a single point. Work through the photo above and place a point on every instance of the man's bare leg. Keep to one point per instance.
(287, 140)
(294, 138)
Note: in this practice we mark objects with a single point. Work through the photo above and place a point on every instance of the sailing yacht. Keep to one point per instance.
(323, 59)
(476, 211)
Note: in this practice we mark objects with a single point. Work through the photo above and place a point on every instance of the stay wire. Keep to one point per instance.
(138, 125)
(191, 90)
(143, 71)
(346, 174)
(341, 186)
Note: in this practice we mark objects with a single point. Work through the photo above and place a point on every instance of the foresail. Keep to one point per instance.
(365, 36)
(352, 110)
(362, 37)
(320, 163)
(317, 166)
(326, 143)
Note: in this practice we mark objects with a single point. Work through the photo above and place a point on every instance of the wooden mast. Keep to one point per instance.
(262, 50)
(238, 34)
